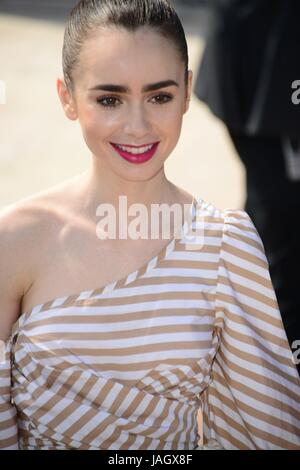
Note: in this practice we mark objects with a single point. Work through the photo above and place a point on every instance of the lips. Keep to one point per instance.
(136, 157)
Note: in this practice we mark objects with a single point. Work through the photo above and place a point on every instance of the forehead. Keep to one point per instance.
(121, 55)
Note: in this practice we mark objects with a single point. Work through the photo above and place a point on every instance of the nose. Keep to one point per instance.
(137, 122)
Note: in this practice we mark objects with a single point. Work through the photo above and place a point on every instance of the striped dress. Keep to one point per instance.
(128, 365)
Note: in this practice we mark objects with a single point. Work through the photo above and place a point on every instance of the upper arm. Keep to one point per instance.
(255, 381)
(15, 272)
(243, 278)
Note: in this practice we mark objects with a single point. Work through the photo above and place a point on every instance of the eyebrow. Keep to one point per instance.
(125, 89)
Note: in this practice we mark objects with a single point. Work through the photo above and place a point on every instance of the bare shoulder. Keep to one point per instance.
(36, 214)
(23, 221)
(26, 227)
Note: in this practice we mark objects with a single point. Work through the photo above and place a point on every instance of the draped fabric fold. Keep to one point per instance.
(160, 412)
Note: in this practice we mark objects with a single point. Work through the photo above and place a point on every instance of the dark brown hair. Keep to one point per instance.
(88, 16)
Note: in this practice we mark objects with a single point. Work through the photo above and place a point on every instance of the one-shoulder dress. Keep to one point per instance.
(128, 365)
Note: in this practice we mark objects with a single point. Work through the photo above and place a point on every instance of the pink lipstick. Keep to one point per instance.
(136, 158)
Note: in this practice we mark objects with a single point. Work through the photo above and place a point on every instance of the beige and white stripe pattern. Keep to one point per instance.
(253, 401)
(127, 365)
(8, 412)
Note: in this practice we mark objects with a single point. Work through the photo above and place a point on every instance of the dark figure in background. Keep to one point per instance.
(248, 77)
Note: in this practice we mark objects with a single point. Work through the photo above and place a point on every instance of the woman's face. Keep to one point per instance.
(133, 115)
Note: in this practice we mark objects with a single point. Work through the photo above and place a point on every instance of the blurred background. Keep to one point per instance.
(40, 147)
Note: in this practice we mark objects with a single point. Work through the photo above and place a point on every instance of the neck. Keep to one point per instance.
(96, 189)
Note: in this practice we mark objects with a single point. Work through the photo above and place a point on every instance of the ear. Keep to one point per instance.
(189, 91)
(67, 100)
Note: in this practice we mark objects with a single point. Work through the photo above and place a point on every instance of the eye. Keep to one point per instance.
(112, 101)
(108, 101)
(162, 98)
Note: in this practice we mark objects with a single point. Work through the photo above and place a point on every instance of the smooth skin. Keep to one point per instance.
(48, 242)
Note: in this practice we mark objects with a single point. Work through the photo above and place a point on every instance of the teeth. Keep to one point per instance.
(135, 151)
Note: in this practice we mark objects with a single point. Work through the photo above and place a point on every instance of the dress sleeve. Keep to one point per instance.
(8, 413)
(253, 400)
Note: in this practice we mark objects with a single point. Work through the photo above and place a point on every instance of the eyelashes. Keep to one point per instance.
(109, 101)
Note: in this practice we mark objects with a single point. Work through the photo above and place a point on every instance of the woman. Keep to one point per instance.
(128, 363)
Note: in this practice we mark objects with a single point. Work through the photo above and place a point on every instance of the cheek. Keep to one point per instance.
(91, 127)
(103, 121)
(171, 120)
(92, 122)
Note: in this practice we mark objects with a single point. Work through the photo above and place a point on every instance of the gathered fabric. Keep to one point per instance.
(159, 412)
